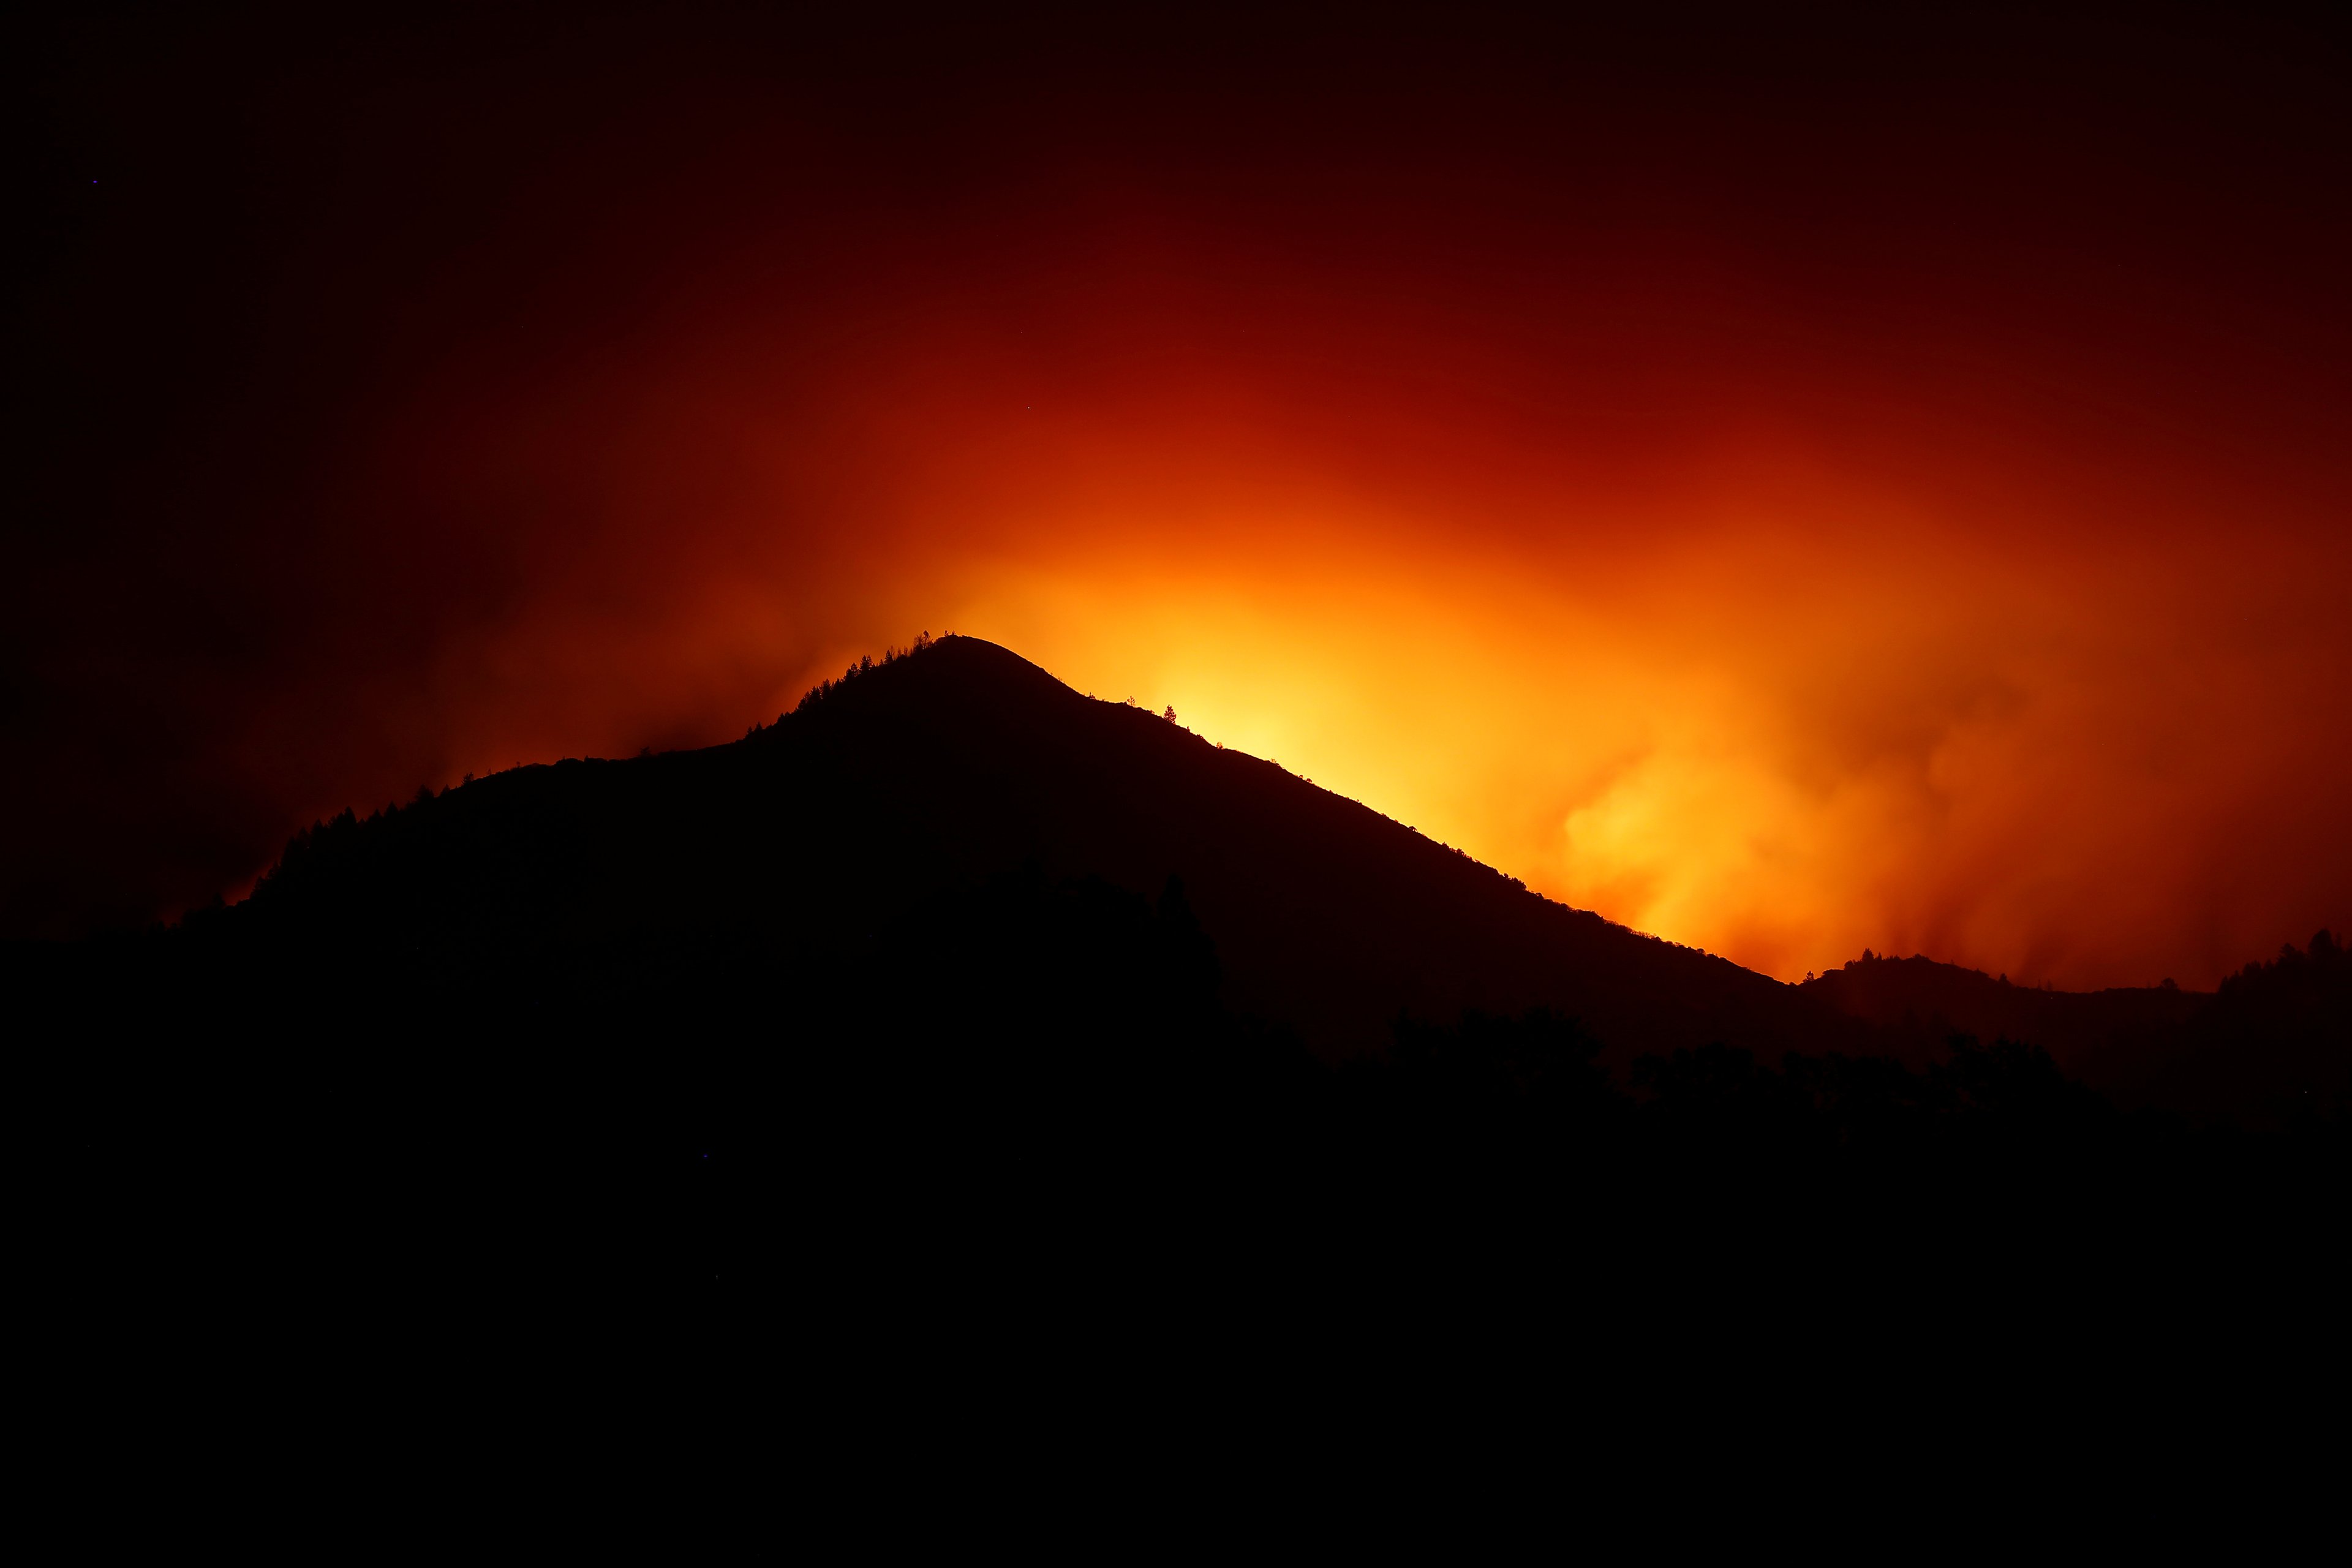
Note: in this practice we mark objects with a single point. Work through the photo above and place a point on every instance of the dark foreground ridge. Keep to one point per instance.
(954, 981)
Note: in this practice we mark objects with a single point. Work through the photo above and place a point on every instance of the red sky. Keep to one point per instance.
(1791, 488)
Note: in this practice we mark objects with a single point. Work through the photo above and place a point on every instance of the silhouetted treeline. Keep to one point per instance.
(864, 666)
(2279, 1036)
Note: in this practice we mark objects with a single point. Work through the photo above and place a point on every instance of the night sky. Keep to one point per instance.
(1790, 485)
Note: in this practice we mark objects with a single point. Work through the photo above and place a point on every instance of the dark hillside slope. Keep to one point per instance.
(939, 770)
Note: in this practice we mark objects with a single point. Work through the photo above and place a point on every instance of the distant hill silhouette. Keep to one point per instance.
(1919, 997)
(925, 774)
(954, 978)
(919, 776)
(2275, 1041)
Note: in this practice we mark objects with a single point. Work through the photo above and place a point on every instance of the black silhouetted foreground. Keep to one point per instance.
(956, 1005)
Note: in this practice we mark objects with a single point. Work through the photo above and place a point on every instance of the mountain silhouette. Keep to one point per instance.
(923, 835)
(954, 981)
(928, 774)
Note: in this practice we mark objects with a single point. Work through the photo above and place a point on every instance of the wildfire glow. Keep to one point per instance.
(1788, 509)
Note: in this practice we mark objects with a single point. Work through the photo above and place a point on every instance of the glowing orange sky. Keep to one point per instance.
(1748, 665)
(1780, 532)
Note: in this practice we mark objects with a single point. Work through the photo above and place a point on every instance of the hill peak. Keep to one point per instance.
(941, 766)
